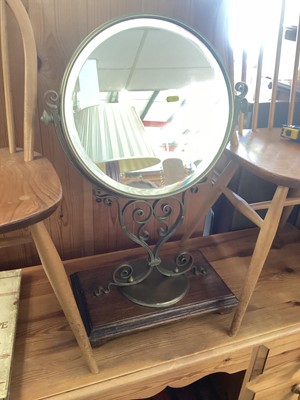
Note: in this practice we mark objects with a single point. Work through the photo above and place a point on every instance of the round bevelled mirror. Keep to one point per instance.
(146, 107)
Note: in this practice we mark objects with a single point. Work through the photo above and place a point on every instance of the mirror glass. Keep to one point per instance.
(146, 107)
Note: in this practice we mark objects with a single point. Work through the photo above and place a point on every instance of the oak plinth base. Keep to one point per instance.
(111, 315)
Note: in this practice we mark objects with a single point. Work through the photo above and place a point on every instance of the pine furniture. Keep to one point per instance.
(265, 154)
(30, 187)
(47, 362)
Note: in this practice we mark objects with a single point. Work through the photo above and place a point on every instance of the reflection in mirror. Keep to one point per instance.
(146, 105)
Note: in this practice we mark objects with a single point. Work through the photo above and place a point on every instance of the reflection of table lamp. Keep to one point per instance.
(113, 136)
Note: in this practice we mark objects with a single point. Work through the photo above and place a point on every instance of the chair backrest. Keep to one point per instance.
(173, 170)
(30, 74)
(274, 93)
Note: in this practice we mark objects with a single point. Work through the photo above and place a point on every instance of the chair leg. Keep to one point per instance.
(58, 279)
(261, 251)
(211, 198)
(288, 210)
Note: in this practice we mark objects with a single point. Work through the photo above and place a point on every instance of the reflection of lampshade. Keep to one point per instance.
(114, 132)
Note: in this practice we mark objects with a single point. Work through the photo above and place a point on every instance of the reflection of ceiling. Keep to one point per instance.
(151, 69)
(149, 59)
(153, 107)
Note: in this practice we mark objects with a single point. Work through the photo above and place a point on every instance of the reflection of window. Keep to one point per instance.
(179, 121)
(88, 94)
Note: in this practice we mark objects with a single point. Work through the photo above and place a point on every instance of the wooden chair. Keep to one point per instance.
(30, 187)
(173, 171)
(266, 155)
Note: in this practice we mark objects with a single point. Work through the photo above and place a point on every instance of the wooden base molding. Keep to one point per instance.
(111, 315)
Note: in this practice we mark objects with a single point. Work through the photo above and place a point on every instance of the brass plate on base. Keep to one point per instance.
(158, 290)
(111, 315)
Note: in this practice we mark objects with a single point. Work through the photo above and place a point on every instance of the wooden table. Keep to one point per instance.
(48, 364)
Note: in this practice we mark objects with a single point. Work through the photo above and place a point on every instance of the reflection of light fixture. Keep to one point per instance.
(113, 136)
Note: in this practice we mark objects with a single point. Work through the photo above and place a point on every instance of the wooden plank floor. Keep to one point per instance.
(48, 365)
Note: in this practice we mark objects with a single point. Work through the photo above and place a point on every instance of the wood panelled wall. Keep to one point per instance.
(81, 226)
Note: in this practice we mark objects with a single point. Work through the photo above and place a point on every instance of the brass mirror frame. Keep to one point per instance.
(92, 172)
(161, 281)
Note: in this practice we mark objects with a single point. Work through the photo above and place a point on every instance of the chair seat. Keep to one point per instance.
(30, 191)
(269, 156)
